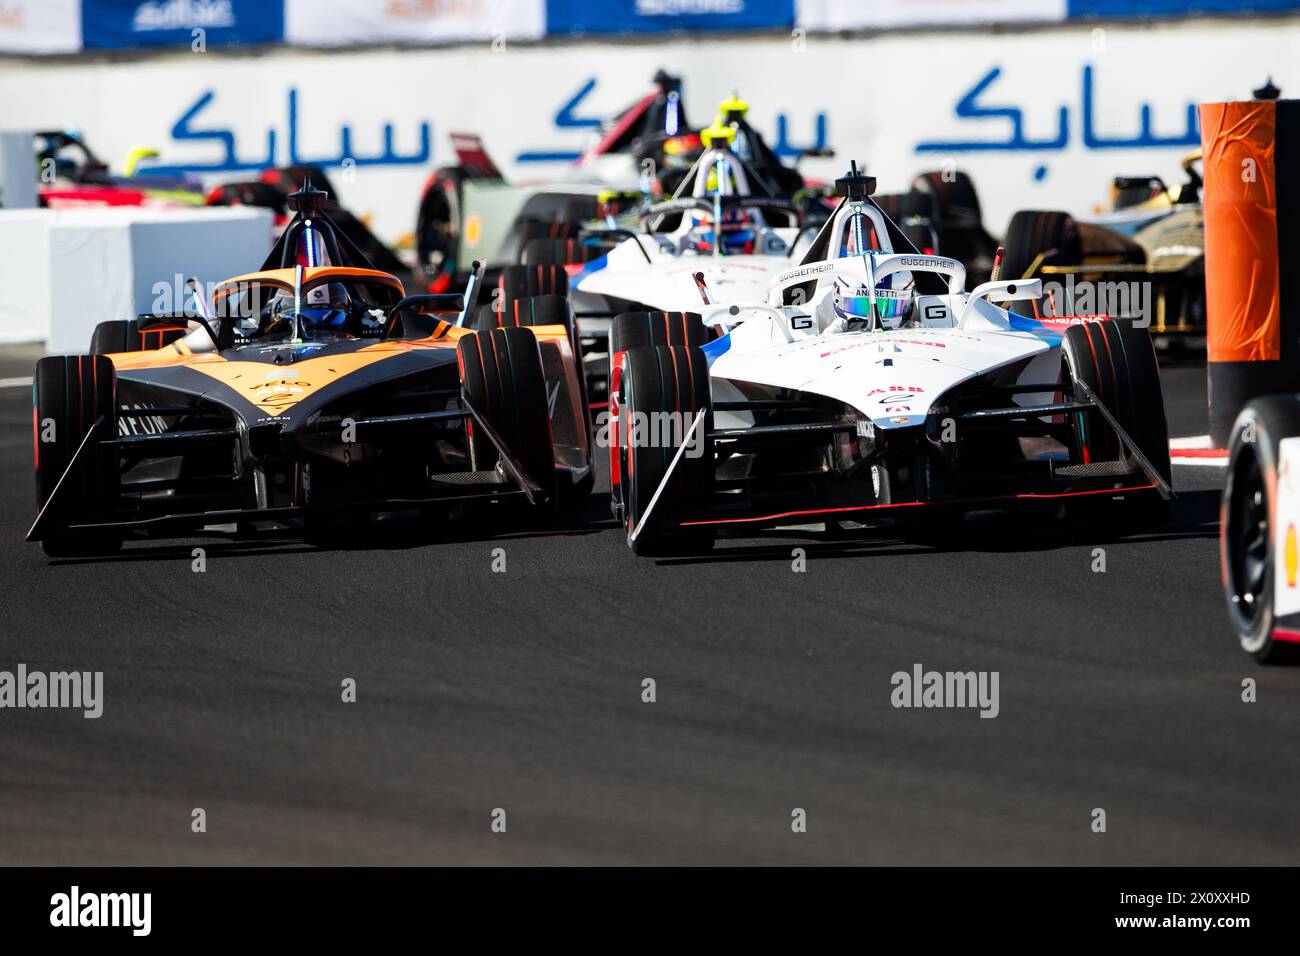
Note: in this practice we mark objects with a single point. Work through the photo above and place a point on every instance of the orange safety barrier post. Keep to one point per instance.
(1252, 236)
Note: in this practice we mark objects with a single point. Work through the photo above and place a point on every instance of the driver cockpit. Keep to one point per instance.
(863, 306)
(720, 173)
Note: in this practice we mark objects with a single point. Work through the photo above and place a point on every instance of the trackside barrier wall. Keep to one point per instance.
(64, 271)
(1252, 239)
(1041, 118)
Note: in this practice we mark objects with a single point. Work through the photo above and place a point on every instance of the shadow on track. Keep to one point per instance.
(391, 534)
(1195, 515)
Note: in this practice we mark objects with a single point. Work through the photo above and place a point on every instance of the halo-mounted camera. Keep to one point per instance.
(309, 201)
(855, 184)
(312, 238)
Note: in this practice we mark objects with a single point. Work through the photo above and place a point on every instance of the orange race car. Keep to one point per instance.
(312, 394)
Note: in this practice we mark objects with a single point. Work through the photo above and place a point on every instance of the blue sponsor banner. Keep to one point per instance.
(1175, 8)
(658, 16)
(115, 24)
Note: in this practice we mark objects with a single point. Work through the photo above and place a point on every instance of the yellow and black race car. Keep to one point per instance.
(310, 394)
(1146, 256)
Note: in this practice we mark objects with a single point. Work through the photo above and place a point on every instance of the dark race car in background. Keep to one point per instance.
(70, 175)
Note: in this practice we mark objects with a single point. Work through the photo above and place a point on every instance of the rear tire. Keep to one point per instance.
(1031, 233)
(954, 195)
(542, 310)
(522, 313)
(655, 381)
(524, 282)
(1247, 513)
(558, 252)
(70, 393)
(1118, 362)
(115, 335)
(501, 373)
(437, 228)
(124, 335)
(547, 229)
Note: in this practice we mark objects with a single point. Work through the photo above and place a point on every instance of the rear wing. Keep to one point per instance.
(473, 155)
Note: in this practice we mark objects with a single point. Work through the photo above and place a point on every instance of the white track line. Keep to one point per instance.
(15, 382)
(1197, 451)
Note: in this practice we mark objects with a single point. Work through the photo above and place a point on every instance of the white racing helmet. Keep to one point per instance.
(884, 307)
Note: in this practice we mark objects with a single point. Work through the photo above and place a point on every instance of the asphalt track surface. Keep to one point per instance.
(522, 690)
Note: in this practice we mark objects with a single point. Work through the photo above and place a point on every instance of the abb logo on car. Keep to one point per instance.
(895, 390)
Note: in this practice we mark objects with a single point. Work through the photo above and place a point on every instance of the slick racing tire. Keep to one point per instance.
(524, 282)
(501, 373)
(124, 335)
(437, 227)
(530, 229)
(632, 330)
(542, 310)
(521, 313)
(954, 195)
(655, 381)
(1248, 511)
(518, 283)
(559, 252)
(1118, 362)
(115, 335)
(70, 393)
(1031, 233)
(580, 209)
(958, 221)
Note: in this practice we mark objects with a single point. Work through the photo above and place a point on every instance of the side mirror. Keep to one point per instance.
(410, 308)
(174, 326)
(204, 315)
(1009, 290)
(1004, 290)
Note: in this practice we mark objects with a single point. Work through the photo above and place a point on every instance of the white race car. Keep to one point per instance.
(869, 384)
(717, 224)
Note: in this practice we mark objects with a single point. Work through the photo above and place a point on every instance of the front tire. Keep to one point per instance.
(1247, 513)
(438, 226)
(1118, 362)
(501, 373)
(631, 330)
(664, 389)
(124, 335)
(70, 394)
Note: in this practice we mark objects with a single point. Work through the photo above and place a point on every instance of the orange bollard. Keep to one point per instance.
(1252, 230)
